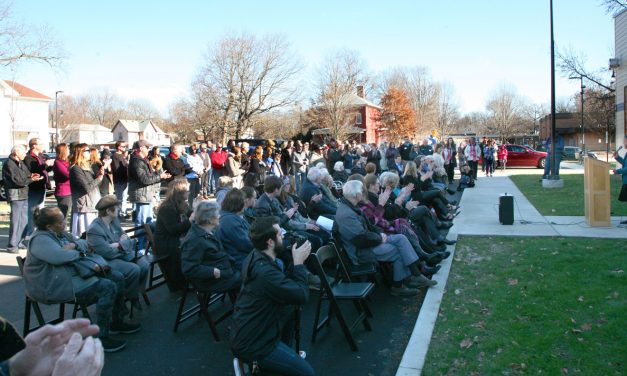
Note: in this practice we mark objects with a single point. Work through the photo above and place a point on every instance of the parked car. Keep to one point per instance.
(524, 156)
(572, 153)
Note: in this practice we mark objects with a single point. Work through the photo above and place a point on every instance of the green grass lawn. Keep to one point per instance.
(551, 306)
(564, 201)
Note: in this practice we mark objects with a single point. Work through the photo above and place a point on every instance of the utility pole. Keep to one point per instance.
(56, 116)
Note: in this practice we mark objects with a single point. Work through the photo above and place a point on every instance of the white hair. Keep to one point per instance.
(389, 178)
(205, 212)
(17, 147)
(315, 174)
(352, 188)
(320, 165)
(339, 166)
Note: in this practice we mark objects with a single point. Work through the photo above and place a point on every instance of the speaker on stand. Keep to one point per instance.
(506, 209)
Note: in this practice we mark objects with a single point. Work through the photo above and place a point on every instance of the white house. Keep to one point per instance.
(92, 134)
(619, 64)
(23, 115)
(133, 130)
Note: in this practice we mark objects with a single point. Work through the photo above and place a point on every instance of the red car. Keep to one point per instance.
(524, 156)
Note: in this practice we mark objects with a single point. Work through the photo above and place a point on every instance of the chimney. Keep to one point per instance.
(360, 91)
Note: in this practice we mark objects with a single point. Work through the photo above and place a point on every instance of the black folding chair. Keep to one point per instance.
(154, 280)
(205, 300)
(32, 304)
(356, 292)
(354, 271)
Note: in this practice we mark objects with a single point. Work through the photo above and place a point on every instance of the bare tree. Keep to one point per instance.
(20, 42)
(337, 79)
(614, 6)
(245, 76)
(506, 113)
(572, 64)
(447, 111)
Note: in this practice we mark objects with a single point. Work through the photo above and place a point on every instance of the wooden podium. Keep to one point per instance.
(596, 192)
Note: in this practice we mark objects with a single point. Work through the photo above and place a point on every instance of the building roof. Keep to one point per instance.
(87, 127)
(136, 126)
(26, 92)
(356, 100)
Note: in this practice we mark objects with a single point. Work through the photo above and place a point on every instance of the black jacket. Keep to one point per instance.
(170, 227)
(262, 307)
(201, 253)
(119, 164)
(36, 167)
(267, 207)
(16, 178)
(176, 167)
(405, 150)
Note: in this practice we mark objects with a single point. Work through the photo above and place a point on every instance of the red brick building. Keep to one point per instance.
(367, 116)
(569, 125)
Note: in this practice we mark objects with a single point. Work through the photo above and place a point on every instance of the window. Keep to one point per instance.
(358, 119)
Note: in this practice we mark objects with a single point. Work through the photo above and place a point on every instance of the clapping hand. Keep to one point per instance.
(301, 253)
(384, 196)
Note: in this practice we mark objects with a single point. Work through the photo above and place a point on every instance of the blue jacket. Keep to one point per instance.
(324, 207)
(233, 233)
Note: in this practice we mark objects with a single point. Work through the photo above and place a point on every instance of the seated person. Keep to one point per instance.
(204, 261)
(250, 200)
(317, 202)
(233, 228)
(225, 184)
(301, 225)
(339, 172)
(172, 224)
(262, 326)
(365, 242)
(267, 205)
(106, 238)
(424, 192)
(50, 277)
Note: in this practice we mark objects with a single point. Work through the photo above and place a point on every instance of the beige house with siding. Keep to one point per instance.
(134, 130)
(619, 64)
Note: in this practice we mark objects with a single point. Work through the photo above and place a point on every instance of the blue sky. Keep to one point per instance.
(152, 49)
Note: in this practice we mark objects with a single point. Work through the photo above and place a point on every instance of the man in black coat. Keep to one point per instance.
(119, 163)
(37, 164)
(16, 177)
(262, 327)
(174, 165)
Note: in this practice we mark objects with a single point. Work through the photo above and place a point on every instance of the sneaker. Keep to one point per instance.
(13, 251)
(111, 344)
(420, 281)
(403, 291)
(125, 328)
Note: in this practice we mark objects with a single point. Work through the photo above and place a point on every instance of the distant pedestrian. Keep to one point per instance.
(119, 165)
(37, 164)
(17, 177)
(61, 170)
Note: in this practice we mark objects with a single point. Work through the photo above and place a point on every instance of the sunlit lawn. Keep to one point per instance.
(551, 306)
(564, 201)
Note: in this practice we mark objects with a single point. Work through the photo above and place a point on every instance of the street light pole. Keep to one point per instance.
(56, 115)
(554, 167)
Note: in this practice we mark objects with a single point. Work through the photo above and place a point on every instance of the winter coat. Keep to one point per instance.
(170, 228)
(233, 166)
(175, 166)
(323, 207)
(49, 276)
(100, 236)
(218, 159)
(119, 166)
(61, 170)
(36, 164)
(201, 254)
(142, 180)
(233, 233)
(85, 190)
(267, 207)
(357, 234)
(264, 305)
(16, 178)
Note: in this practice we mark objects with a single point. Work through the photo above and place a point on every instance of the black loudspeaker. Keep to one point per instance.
(506, 209)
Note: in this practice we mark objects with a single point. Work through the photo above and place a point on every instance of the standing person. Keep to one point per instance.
(559, 151)
(473, 154)
(482, 145)
(61, 170)
(17, 177)
(623, 171)
(405, 149)
(426, 148)
(502, 155)
(374, 156)
(234, 166)
(262, 326)
(37, 164)
(275, 166)
(286, 158)
(299, 164)
(141, 184)
(218, 165)
(174, 164)
(258, 166)
(461, 153)
(156, 164)
(119, 164)
(106, 185)
(488, 157)
(205, 181)
(449, 154)
(84, 183)
(193, 177)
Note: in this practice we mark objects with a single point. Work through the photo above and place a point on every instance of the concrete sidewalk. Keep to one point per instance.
(479, 216)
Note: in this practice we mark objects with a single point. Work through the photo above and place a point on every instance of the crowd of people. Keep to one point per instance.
(235, 219)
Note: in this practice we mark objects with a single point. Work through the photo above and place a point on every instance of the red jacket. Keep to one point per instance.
(218, 159)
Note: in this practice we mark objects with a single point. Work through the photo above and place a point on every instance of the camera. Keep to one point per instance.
(293, 238)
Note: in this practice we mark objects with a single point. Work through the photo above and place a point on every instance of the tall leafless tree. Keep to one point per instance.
(505, 113)
(447, 111)
(20, 42)
(338, 78)
(614, 6)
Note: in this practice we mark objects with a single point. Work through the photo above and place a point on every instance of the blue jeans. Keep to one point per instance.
(107, 294)
(207, 183)
(143, 215)
(215, 175)
(35, 200)
(19, 220)
(284, 360)
(121, 193)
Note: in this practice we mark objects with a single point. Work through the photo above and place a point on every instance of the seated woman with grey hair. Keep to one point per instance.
(366, 243)
(203, 260)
